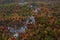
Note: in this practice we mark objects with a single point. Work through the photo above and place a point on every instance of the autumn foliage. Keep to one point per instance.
(47, 25)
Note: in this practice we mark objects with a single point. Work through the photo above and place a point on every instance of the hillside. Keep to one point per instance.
(13, 1)
(47, 26)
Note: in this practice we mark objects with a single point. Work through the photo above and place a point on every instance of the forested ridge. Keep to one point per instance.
(13, 1)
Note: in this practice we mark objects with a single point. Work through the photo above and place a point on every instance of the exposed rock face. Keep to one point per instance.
(30, 20)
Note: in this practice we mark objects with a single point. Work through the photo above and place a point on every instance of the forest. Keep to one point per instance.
(31, 21)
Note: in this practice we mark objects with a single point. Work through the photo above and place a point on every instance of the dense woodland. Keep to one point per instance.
(47, 25)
